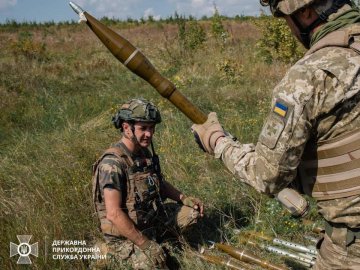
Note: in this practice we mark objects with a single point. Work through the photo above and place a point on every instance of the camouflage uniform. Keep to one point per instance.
(317, 100)
(114, 171)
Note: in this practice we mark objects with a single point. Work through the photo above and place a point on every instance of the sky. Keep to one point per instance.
(59, 10)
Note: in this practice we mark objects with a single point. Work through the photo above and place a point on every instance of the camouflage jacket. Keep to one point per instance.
(318, 99)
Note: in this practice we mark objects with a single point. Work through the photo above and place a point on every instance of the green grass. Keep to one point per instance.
(56, 105)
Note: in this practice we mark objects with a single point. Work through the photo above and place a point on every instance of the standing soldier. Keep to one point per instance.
(129, 190)
(312, 133)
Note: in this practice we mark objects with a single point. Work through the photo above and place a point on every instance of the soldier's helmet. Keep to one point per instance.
(280, 8)
(136, 110)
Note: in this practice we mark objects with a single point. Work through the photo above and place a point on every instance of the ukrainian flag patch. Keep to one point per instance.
(280, 108)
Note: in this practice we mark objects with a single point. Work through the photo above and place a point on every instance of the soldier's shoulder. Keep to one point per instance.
(112, 160)
(335, 60)
(331, 58)
(111, 164)
(296, 84)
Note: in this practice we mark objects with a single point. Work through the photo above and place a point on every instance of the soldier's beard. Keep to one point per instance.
(143, 143)
(140, 143)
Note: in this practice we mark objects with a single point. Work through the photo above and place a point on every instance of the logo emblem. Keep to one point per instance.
(24, 249)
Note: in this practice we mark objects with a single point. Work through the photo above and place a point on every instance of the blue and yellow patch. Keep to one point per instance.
(280, 109)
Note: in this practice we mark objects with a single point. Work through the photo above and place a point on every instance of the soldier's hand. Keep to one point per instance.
(195, 203)
(154, 252)
(208, 133)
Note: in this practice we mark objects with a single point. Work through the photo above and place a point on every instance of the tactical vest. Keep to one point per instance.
(142, 197)
(331, 169)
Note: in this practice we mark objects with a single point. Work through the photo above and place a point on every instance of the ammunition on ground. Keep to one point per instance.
(248, 257)
(134, 60)
(307, 256)
(291, 245)
(295, 246)
(228, 262)
(303, 255)
(307, 261)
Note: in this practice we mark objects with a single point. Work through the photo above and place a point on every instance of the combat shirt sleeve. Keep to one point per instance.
(271, 164)
(111, 174)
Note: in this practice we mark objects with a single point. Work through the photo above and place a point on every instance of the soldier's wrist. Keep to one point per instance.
(141, 241)
(181, 197)
(144, 245)
(219, 139)
(214, 137)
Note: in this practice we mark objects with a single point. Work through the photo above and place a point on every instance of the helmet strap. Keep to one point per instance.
(133, 138)
(305, 32)
(152, 148)
(137, 144)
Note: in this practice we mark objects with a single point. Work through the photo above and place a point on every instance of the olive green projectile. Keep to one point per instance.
(248, 257)
(134, 60)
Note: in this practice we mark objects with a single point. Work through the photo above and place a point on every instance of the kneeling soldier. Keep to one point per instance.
(129, 190)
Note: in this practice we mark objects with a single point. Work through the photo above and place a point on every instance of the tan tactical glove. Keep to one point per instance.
(294, 202)
(154, 252)
(195, 203)
(208, 133)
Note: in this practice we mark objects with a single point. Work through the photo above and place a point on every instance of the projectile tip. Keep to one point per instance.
(76, 8)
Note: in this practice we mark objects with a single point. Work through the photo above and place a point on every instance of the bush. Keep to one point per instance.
(195, 36)
(191, 35)
(26, 47)
(277, 42)
(229, 70)
(217, 28)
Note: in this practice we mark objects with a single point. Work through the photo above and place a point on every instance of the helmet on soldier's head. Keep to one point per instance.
(136, 110)
(280, 8)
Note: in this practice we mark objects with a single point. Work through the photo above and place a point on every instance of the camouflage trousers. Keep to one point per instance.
(336, 256)
(123, 254)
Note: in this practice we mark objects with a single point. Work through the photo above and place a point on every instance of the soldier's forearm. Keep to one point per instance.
(243, 161)
(169, 191)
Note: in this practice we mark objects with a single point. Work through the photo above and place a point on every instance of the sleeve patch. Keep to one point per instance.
(275, 123)
(271, 131)
(280, 109)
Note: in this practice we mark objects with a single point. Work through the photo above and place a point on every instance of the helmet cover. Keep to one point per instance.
(280, 8)
(137, 110)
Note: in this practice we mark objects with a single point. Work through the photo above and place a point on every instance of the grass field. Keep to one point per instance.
(59, 87)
